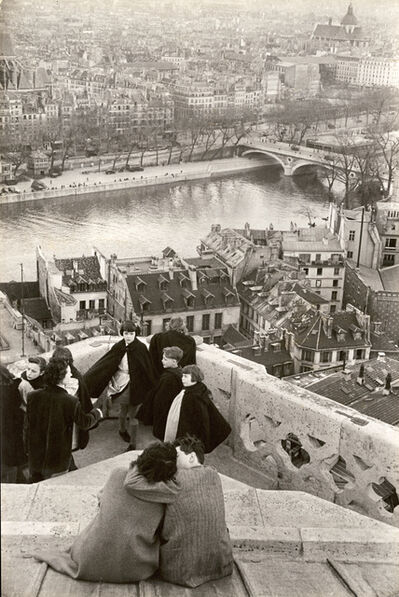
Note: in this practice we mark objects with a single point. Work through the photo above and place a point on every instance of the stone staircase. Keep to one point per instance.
(285, 543)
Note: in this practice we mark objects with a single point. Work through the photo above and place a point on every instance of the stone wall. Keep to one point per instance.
(290, 434)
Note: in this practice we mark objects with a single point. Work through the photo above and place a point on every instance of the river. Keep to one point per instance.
(143, 221)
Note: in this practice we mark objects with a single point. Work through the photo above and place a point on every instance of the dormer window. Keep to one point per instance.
(189, 298)
(145, 303)
(163, 283)
(228, 295)
(140, 284)
(167, 301)
(208, 297)
(184, 280)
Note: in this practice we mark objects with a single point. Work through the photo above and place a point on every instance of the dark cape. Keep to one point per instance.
(200, 417)
(12, 423)
(157, 403)
(50, 415)
(85, 403)
(142, 377)
(172, 338)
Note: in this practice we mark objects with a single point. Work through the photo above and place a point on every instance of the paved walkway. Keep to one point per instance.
(14, 339)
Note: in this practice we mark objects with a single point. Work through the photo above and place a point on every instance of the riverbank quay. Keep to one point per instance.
(74, 183)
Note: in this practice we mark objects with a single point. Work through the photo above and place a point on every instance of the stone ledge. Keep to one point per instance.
(351, 544)
(273, 539)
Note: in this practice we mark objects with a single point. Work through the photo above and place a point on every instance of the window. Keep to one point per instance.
(336, 271)
(334, 295)
(342, 355)
(335, 282)
(82, 305)
(217, 340)
(148, 326)
(101, 304)
(318, 283)
(306, 270)
(318, 257)
(165, 323)
(389, 260)
(351, 234)
(359, 353)
(325, 357)
(218, 321)
(190, 323)
(390, 243)
(92, 304)
(333, 308)
(206, 321)
(307, 355)
(207, 339)
(350, 254)
(319, 271)
(305, 257)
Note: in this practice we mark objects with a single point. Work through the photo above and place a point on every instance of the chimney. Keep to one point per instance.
(170, 268)
(360, 377)
(381, 356)
(192, 272)
(387, 389)
(327, 325)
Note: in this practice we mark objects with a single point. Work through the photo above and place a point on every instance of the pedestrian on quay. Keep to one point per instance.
(176, 335)
(50, 415)
(193, 412)
(125, 374)
(155, 409)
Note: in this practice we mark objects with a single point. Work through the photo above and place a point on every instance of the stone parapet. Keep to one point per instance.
(299, 440)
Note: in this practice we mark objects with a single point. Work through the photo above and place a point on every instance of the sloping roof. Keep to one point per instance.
(367, 398)
(313, 336)
(64, 298)
(390, 278)
(37, 308)
(235, 338)
(14, 289)
(178, 293)
(88, 270)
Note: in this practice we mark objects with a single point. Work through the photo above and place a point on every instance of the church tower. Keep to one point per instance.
(349, 22)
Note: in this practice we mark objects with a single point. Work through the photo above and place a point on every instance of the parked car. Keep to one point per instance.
(110, 171)
(121, 169)
(294, 147)
(328, 157)
(134, 168)
(331, 126)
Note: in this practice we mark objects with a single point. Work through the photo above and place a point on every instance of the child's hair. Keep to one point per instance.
(173, 352)
(38, 361)
(130, 326)
(62, 353)
(194, 371)
(55, 371)
(157, 462)
(190, 443)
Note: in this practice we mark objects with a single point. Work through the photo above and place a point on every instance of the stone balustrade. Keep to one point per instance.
(299, 440)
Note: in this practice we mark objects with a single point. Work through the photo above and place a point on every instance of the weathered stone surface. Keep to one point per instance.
(64, 503)
(56, 529)
(351, 544)
(282, 540)
(16, 501)
(300, 509)
(242, 508)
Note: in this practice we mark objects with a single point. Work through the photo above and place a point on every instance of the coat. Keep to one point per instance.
(157, 403)
(200, 417)
(85, 402)
(120, 545)
(51, 413)
(12, 423)
(142, 377)
(195, 545)
(172, 338)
